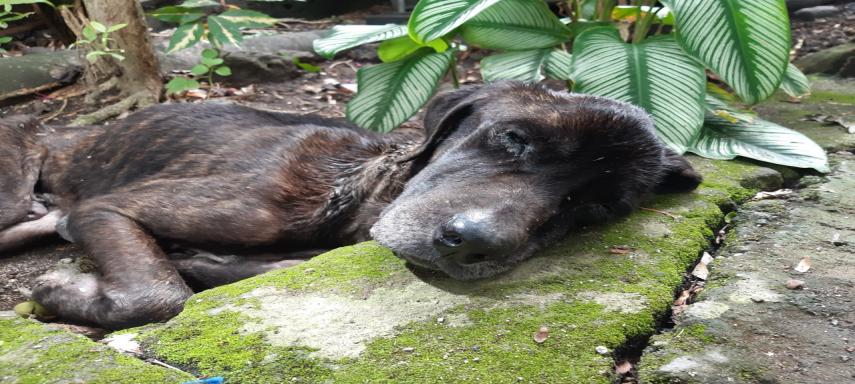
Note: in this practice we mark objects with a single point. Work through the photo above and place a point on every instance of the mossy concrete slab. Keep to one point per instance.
(358, 314)
(747, 326)
(36, 353)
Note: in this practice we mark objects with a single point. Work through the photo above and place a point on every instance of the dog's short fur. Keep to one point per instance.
(500, 171)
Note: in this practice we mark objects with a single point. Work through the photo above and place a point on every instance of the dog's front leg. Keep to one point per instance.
(28, 231)
(137, 284)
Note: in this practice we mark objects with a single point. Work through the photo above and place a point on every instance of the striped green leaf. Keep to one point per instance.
(392, 92)
(745, 42)
(529, 66)
(432, 19)
(174, 14)
(186, 35)
(795, 83)
(559, 65)
(655, 75)
(728, 133)
(244, 18)
(222, 32)
(515, 25)
(343, 37)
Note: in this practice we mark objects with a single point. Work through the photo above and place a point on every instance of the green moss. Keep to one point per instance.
(33, 353)
(499, 347)
(345, 269)
(212, 343)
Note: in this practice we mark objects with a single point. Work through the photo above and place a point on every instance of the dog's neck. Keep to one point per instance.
(364, 189)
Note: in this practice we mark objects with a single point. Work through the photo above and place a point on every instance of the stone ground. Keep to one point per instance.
(747, 326)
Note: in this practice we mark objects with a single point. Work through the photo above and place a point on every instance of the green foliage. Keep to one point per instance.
(744, 42)
(209, 20)
(4, 40)
(212, 21)
(728, 133)
(654, 74)
(747, 43)
(795, 83)
(96, 37)
(306, 66)
(7, 15)
(210, 63)
(395, 91)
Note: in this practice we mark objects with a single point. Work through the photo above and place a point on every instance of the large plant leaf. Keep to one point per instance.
(222, 32)
(529, 66)
(746, 42)
(432, 19)
(186, 35)
(515, 25)
(174, 14)
(795, 83)
(728, 133)
(244, 18)
(392, 92)
(655, 75)
(343, 37)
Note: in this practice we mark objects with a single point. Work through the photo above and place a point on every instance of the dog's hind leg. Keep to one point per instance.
(137, 285)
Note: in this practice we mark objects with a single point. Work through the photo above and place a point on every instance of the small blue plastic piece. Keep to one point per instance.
(210, 380)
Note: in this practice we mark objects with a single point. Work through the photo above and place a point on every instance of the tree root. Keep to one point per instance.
(139, 99)
(100, 89)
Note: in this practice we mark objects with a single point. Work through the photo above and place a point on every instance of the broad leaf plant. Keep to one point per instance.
(678, 59)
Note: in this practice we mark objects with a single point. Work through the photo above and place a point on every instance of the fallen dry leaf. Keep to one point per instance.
(803, 265)
(620, 250)
(541, 335)
(623, 367)
(781, 193)
(196, 94)
(706, 258)
(683, 298)
(795, 284)
(701, 271)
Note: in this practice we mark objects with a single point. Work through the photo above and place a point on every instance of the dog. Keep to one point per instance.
(499, 171)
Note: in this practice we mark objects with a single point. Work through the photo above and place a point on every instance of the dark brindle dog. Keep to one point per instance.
(500, 171)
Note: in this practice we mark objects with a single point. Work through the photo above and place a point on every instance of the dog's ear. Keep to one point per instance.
(679, 175)
(442, 114)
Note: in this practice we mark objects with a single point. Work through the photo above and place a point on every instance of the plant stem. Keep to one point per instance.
(454, 76)
(605, 9)
(642, 25)
(574, 7)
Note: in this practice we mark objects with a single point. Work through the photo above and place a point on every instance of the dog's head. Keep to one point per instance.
(508, 168)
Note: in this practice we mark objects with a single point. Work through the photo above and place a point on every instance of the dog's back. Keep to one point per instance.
(185, 141)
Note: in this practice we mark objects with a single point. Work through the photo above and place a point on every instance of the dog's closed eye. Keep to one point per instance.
(514, 141)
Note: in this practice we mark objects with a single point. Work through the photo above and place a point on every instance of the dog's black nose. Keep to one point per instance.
(467, 240)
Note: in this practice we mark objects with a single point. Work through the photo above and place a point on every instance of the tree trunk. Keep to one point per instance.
(139, 77)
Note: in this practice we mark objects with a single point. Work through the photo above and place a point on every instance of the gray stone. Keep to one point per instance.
(794, 5)
(817, 12)
(848, 68)
(828, 61)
